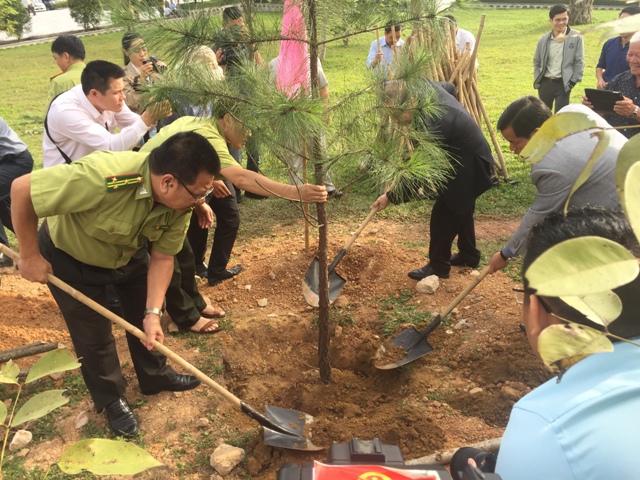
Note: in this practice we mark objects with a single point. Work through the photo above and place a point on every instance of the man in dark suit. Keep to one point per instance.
(452, 213)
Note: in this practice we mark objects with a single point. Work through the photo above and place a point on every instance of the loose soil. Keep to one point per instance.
(459, 393)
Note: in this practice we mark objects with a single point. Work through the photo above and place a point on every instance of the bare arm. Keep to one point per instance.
(253, 182)
(158, 278)
(33, 266)
(600, 78)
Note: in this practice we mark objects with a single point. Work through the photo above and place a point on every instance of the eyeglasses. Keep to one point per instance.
(197, 198)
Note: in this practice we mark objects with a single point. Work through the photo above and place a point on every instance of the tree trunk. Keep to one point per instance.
(324, 340)
(580, 12)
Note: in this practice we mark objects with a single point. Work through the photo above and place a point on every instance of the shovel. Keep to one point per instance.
(310, 284)
(412, 344)
(282, 427)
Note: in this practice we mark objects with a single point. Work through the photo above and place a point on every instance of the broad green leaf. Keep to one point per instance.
(38, 406)
(3, 412)
(562, 346)
(9, 373)
(602, 308)
(554, 129)
(603, 143)
(59, 360)
(582, 266)
(627, 157)
(106, 457)
(631, 197)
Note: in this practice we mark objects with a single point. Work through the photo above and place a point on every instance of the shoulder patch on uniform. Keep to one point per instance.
(125, 180)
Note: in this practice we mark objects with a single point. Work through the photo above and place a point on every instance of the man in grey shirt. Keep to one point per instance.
(555, 175)
(558, 63)
(15, 161)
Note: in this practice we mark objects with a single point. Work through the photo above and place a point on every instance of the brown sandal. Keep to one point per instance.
(203, 330)
(217, 313)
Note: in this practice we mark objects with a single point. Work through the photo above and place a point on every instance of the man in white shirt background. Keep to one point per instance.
(464, 38)
(84, 118)
(390, 45)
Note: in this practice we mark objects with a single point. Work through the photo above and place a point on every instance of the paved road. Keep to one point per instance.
(49, 23)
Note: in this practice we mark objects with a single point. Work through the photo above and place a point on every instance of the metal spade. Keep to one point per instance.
(412, 344)
(311, 282)
(283, 427)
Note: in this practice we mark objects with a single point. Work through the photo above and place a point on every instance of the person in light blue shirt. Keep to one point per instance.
(584, 426)
(390, 47)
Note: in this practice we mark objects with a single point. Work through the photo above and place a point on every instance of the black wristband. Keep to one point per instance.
(504, 257)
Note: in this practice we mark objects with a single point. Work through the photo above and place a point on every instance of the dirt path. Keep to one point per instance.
(459, 393)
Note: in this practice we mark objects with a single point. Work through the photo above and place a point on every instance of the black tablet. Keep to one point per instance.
(602, 100)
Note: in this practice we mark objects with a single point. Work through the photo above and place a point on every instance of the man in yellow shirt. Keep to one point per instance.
(101, 213)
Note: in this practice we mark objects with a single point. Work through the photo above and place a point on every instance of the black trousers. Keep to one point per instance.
(445, 224)
(11, 167)
(91, 332)
(184, 302)
(224, 237)
(550, 92)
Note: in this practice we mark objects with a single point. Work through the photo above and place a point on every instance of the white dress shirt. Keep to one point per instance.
(78, 129)
(462, 37)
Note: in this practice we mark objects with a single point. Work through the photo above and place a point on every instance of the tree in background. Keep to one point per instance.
(87, 13)
(14, 18)
(580, 12)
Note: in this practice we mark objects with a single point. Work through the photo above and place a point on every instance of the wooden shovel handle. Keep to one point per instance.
(134, 331)
(465, 292)
(359, 230)
(378, 39)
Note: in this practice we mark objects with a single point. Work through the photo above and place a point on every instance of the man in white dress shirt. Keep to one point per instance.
(84, 118)
(390, 46)
(463, 37)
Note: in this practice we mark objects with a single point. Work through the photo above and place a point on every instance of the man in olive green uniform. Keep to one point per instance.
(101, 212)
(68, 52)
(220, 133)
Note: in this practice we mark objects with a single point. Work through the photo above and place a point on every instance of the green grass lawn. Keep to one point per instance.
(505, 73)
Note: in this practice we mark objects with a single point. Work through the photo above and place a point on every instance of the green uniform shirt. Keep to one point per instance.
(101, 211)
(205, 127)
(66, 81)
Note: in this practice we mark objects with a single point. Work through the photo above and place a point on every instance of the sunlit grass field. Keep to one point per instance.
(505, 73)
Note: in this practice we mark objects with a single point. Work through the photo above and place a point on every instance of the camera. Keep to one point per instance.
(370, 453)
(154, 61)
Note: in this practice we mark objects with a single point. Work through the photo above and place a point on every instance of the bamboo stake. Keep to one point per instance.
(378, 38)
(496, 146)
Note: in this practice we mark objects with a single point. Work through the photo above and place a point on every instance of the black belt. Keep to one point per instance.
(552, 80)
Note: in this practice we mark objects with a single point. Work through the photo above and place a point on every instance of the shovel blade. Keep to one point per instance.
(405, 340)
(311, 288)
(296, 423)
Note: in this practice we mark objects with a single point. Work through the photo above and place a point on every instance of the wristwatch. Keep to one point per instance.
(635, 112)
(155, 311)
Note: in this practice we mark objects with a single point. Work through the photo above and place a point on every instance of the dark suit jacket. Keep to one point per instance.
(464, 141)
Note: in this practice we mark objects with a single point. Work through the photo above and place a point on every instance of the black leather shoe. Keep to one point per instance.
(425, 272)
(201, 270)
(179, 384)
(5, 261)
(254, 196)
(458, 260)
(121, 419)
(226, 275)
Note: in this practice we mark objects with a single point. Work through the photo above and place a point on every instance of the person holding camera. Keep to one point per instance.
(233, 48)
(141, 71)
(586, 425)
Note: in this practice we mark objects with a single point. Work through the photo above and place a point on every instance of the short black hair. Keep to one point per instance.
(524, 116)
(557, 10)
(631, 10)
(584, 221)
(184, 155)
(98, 75)
(452, 18)
(69, 44)
(391, 24)
(231, 13)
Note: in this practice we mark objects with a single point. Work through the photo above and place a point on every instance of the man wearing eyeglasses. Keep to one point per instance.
(390, 46)
(101, 211)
